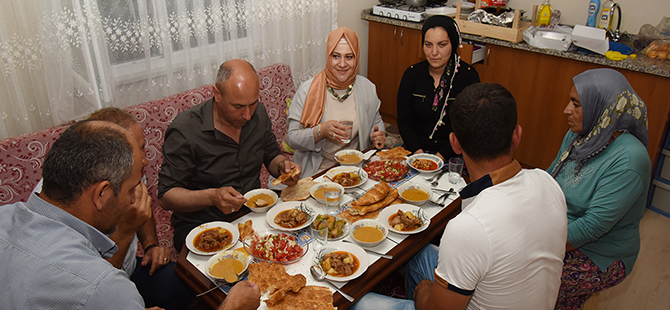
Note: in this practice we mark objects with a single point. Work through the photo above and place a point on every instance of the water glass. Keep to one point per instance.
(332, 197)
(455, 169)
(320, 236)
(350, 124)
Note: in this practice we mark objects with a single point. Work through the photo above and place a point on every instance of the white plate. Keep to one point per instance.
(337, 170)
(390, 210)
(272, 213)
(346, 247)
(432, 157)
(195, 231)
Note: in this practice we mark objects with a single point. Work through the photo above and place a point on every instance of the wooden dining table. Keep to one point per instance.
(356, 288)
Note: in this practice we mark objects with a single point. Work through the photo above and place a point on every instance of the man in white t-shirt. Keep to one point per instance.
(505, 249)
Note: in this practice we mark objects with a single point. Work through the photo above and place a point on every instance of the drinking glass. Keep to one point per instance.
(349, 123)
(332, 197)
(455, 169)
(320, 236)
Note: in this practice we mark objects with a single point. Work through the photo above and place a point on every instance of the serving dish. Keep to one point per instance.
(439, 163)
(417, 186)
(322, 185)
(345, 228)
(289, 205)
(369, 223)
(197, 230)
(258, 191)
(356, 153)
(389, 170)
(354, 249)
(242, 257)
(266, 247)
(330, 175)
(393, 209)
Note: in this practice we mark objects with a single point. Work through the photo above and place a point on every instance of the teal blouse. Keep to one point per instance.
(606, 200)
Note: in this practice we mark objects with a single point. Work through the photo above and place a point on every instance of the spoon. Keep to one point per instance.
(230, 277)
(316, 273)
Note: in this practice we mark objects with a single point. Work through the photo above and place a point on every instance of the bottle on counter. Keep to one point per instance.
(544, 14)
(605, 20)
(594, 13)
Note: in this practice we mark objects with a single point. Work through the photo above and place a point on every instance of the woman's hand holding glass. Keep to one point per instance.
(333, 131)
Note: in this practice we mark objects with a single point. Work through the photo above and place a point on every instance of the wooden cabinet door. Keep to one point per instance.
(541, 85)
(391, 50)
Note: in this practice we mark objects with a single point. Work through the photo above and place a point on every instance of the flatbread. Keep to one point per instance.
(353, 218)
(285, 176)
(309, 297)
(299, 191)
(374, 195)
(272, 278)
(356, 209)
(245, 229)
(396, 152)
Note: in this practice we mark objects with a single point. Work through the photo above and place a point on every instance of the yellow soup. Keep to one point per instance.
(260, 200)
(349, 159)
(414, 194)
(225, 267)
(321, 193)
(368, 234)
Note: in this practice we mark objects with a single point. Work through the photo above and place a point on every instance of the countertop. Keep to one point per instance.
(642, 63)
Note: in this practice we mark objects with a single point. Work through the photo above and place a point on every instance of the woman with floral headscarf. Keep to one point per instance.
(336, 93)
(604, 170)
(428, 87)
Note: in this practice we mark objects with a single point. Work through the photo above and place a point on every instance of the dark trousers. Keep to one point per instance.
(163, 289)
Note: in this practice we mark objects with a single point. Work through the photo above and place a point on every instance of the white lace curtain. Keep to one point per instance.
(62, 59)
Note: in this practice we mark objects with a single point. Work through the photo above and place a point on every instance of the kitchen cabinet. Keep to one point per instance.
(391, 50)
(541, 84)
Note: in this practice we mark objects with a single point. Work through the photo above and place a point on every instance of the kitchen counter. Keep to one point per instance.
(642, 63)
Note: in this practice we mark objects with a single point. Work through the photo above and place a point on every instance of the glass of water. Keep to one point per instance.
(350, 124)
(455, 169)
(332, 197)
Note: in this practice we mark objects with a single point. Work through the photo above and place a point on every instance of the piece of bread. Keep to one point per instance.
(376, 194)
(299, 191)
(245, 229)
(309, 297)
(396, 152)
(353, 218)
(356, 209)
(285, 176)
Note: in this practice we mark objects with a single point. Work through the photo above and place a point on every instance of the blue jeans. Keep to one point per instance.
(420, 267)
(163, 289)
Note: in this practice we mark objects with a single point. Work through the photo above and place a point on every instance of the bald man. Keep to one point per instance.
(213, 152)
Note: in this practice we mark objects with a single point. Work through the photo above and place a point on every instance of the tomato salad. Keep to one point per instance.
(387, 170)
(281, 248)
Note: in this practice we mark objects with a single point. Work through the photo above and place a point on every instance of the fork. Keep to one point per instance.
(436, 181)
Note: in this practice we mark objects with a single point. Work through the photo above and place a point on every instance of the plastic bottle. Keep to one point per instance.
(594, 12)
(544, 14)
(605, 19)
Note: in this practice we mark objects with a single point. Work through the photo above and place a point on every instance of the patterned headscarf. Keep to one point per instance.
(444, 86)
(609, 104)
(315, 101)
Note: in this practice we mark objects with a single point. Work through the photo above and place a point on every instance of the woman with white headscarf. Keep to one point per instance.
(604, 170)
(336, 93)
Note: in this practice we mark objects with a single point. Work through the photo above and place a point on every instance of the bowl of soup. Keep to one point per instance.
(260, 200)
(318, 191)
(369, 232)
(415, 193)
(349, 157)
(228, 266)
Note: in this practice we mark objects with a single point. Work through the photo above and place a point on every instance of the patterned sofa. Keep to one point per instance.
(21, 157)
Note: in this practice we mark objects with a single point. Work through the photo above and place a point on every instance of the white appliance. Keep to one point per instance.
(402, 12)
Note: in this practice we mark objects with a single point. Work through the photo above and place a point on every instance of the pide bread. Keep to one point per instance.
(285, 176)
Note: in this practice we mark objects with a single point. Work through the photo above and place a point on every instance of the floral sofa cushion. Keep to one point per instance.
(21, 157)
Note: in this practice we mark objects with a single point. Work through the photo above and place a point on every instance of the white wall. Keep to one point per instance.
(634, 14)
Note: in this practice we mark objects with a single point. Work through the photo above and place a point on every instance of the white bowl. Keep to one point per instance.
(322, 185)
(255, 192)
(358, 153)
(330, 175)
(368, 222)
(243, 257)
(410, 185)
(434, 158)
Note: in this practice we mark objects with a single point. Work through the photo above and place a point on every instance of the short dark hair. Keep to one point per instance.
(87, 153)
(483, 118)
